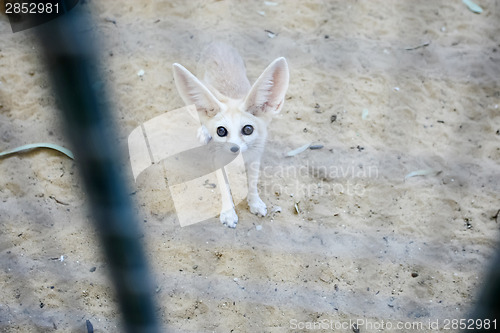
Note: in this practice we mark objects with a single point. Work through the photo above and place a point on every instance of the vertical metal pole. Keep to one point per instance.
(70, 56)
(486, 313)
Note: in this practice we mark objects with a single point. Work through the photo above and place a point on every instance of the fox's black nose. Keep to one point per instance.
(235, 149)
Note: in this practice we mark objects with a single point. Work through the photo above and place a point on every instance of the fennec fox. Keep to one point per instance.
(232, 111)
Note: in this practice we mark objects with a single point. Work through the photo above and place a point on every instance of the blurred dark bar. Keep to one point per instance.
(486, 313)
(70, 55)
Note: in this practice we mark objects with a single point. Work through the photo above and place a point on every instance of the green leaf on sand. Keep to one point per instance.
(35, 146)
(472, 6)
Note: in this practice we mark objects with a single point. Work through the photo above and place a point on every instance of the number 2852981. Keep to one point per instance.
(470, 324)
(31, 8)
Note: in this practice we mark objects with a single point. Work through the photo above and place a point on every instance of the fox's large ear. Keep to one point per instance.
(268, 93)
(192, 91)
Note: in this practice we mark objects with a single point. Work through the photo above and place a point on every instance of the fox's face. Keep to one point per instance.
(242, 129)
(242, 122)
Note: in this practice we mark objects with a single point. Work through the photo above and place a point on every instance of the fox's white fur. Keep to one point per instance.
(225, 99)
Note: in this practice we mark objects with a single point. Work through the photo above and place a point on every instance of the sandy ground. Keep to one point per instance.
(366, 244)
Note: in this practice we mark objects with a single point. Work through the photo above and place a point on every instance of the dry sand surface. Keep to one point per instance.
(387, 87)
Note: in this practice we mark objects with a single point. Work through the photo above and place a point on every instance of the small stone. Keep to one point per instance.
(93, 269)
(364, 114)
(276, 209)
(414, 274)
(270, 34)
(325, 277)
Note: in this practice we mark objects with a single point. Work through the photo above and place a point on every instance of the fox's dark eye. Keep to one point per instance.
(247, 129)
(221, 131)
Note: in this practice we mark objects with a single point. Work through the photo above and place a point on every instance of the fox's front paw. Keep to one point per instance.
(257, 206)
(203, 135)
(229, 218)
